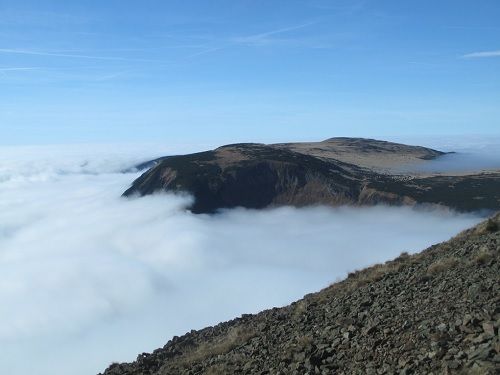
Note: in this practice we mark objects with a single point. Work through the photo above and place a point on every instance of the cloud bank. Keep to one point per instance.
(469, 153)
(88, 277)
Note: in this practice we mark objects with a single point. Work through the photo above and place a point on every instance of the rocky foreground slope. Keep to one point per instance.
(436, 312)
(338, 171)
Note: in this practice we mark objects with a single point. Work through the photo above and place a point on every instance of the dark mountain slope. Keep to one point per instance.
(257, 176)
(253, 176)
(463, 193)
(437, 312)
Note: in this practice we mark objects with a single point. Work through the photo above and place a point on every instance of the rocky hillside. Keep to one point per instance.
(334, 172)
(436, 312)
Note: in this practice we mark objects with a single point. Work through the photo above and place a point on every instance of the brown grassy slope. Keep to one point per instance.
(366, 153)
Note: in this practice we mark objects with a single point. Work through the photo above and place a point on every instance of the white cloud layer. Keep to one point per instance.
(88, 277)
(470, 153)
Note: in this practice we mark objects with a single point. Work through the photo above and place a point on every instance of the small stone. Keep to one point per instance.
(442, 327)
(481, 338)
(369, 329)
(453, 364)
(300, 356)
(496, 347)
(480, 353)
(489, 328)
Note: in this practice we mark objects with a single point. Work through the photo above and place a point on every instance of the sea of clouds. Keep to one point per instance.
(465, 153)
(88, 277)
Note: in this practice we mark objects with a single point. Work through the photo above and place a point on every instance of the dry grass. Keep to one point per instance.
(304, 342)
(217, 369)
(442, 265)
(403, 257)
(359, 278)
(300, 309)
(486, 227)
(377, 272)
(235, 337)
(483, 257)
(300, 344)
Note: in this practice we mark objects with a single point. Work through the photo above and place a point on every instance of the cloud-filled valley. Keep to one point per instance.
(89, 277)
(465, 154)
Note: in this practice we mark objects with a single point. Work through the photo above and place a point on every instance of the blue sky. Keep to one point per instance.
(248, 70)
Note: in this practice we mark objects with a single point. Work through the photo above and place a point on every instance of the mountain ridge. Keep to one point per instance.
(338, 171)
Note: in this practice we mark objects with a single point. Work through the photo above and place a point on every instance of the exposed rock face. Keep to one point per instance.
(437, 312)
(257, 176)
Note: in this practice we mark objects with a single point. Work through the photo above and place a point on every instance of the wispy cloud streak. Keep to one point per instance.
(482, 54)
(253, 40)
(4, 72)
(17, 69)
(263, 38)
(44, 53)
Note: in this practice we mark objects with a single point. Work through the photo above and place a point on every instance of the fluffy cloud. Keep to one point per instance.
(88, 277)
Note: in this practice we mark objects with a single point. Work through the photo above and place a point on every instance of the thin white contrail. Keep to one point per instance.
(245, 39)
(43, 53)
(482, 54)
(16, 69)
